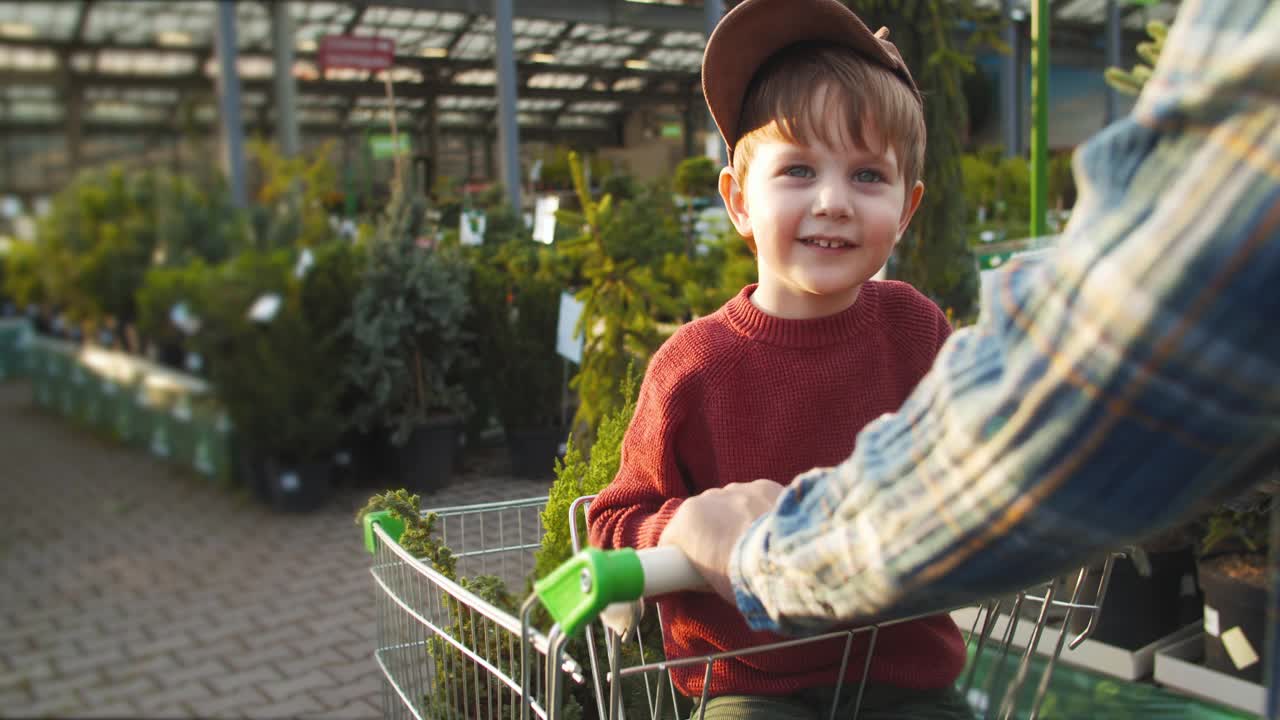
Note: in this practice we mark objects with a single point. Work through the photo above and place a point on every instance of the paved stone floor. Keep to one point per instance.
(132, 588)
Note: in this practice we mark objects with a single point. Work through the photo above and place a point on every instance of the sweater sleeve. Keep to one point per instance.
(944, 331)
(650, 485)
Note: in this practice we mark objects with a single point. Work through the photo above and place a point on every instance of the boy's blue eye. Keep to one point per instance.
(800, 171)
(868, 176)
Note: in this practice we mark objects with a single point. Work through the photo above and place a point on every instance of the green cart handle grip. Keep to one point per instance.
(579, 590)
(392, 525)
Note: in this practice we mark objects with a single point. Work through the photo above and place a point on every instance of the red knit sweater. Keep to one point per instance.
(740, 395)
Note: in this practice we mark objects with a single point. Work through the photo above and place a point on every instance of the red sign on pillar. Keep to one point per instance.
(356, 52)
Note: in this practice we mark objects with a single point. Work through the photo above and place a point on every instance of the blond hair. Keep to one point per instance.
(784, 102)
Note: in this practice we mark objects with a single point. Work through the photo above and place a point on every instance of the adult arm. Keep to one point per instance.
(1105, 393)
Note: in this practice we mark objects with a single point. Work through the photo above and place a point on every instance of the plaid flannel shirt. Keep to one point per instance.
(1106, 392)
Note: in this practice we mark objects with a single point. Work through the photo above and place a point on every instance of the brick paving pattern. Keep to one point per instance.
(133, 588)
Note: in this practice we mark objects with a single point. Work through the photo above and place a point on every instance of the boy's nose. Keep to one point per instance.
(833, 201)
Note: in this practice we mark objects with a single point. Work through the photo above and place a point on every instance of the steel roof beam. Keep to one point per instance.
(340, 88)
(599, 12)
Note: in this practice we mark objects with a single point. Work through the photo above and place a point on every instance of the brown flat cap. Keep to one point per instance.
(756, 29)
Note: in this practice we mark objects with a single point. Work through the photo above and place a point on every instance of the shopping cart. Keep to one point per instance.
(454, 649)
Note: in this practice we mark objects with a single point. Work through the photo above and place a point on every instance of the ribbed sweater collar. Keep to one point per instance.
(749, 320)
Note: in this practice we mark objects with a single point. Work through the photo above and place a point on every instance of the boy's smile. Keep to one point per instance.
(824, 219)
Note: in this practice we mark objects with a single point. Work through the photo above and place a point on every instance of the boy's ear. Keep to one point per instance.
(735, 202)
(909, 208)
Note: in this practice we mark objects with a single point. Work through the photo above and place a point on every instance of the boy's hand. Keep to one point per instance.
(707, 527)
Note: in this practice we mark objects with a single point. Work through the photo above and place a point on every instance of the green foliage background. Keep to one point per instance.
(934, 254)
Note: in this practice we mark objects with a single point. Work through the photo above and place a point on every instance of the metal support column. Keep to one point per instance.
(1010, 108)
(1113, 57)
(286, 88)
(433, 142)
(229, 102)
(490, 168)
(690, 118)
(714, 149)
(508, 132)
(1040, 117)
(73, 104)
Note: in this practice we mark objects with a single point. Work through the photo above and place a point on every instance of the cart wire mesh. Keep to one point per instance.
(447, 649)
(444, 650)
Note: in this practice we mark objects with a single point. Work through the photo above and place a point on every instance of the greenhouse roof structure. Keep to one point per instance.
(75, 70)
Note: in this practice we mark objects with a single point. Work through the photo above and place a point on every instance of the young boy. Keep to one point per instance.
(825, 131)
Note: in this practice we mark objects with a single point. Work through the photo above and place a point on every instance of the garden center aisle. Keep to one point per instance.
(133, 588)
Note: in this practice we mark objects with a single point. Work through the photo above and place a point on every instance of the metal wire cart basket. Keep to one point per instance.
(458, 649)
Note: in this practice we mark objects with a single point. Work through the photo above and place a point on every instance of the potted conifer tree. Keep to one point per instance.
(1233, 575)
(408, 342)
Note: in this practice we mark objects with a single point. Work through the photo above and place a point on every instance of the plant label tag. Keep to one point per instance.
(471, 227)
(568, 341)
(160, 442)
(290, 482)
(183, 319)
(1211, 621)
(1238, 648)
(544, 218)
(182, 409)
(305, 261)
(265, 308)
(203, 459)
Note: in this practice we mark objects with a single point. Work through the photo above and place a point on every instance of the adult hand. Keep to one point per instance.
(707, 527)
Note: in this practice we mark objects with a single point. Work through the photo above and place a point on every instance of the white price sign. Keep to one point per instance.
(568, 342)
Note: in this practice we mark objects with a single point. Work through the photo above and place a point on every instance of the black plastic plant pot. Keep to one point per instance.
(1235, 622)
(297, 487)
(427, 457)
(533, 452)
(1139, 610)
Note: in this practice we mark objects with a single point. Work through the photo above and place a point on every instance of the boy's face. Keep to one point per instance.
(824, 219)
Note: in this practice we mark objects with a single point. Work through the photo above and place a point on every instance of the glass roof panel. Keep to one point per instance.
(680, 38)
(459, 118)
(588, 32)
(673, 59)
(25, 58)
(475, 45)
(558, 81)
(28, 92)
(125, 111)
(1081, 10)
(538, 104)
(476, 77)
(595, 106)
(544, 29)
(456, 102)
(145, 62)
(629, 84)
(320, 11)
(38, 20)
(35, 110)
(593, 54)
(579, 121)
